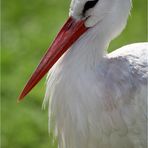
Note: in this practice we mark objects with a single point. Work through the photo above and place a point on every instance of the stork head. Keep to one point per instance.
(109, 16)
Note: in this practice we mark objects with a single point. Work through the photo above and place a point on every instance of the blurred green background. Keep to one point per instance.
(28, 26)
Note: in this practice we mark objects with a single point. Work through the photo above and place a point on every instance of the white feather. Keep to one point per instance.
(99, 100)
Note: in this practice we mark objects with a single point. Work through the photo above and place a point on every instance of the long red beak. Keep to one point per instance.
(69, 33)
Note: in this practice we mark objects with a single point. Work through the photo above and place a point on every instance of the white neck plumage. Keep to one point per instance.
(87, 51)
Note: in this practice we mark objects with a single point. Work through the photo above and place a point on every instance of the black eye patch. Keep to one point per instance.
(88, 5)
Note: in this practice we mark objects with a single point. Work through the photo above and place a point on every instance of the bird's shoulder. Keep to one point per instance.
(125, 71)
(129, 62)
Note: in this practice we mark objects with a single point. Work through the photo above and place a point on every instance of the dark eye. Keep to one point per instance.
(88, 5)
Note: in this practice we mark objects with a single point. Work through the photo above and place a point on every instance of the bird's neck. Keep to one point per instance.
(87, 51)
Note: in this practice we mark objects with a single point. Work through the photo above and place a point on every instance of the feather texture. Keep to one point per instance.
(99, 100)
(106, 108)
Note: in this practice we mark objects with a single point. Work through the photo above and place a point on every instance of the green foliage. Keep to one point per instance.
(28, 27)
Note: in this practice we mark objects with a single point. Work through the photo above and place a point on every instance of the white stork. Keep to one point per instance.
(97, 100)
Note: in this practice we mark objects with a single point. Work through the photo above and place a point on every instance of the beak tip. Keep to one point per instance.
(21, 97)
(18, 101)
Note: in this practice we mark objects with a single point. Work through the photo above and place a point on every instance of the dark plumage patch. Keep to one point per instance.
(88, 5)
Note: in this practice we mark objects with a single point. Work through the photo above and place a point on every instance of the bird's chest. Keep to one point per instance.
(77, 106)
(74, 92)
